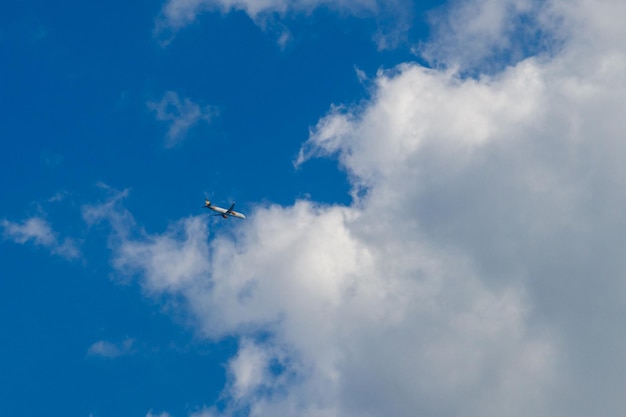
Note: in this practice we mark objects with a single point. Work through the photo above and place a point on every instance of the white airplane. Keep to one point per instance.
(222, 211)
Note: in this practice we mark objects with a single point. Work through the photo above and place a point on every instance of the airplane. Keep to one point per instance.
(222, 211)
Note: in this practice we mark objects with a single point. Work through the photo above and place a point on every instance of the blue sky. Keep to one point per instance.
(77, 80)
(422, 181)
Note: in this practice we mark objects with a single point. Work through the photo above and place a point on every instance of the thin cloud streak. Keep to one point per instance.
(162, 414)
(177, 14)
(106, 349)
(181, 115)
(38, 231)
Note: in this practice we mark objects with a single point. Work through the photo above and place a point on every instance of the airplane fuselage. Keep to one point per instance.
(224, 212)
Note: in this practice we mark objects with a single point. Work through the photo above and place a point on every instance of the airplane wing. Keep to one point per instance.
(230, 209)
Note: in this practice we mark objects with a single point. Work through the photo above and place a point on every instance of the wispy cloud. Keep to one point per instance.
(58, 197)
(110, 210)
(38, 231)
(162, 414)
(205, 412)
(176, 14)
(492, 33)
(108, 349)
(51, 159)
(180, 114)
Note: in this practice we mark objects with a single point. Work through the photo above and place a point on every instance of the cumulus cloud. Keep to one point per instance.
(106, 349)
(180, 114)
(478, 271)
(38, 231)
(353, 312)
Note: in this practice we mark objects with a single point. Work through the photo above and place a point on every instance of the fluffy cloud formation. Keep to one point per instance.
(38, 231)
(479, 270)
(180, 114)
(358, 320)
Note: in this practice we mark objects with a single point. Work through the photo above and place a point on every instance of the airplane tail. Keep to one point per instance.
(207, 203)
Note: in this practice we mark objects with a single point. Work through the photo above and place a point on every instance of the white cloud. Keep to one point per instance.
(108, 349)
(468, 32)
(480, 33)
(176, 14)
(354, 312)
(181, 115)
(205, 412)
(163, 414)
(38, 231)
(249, 370)
(59, 196)
(479, 270)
